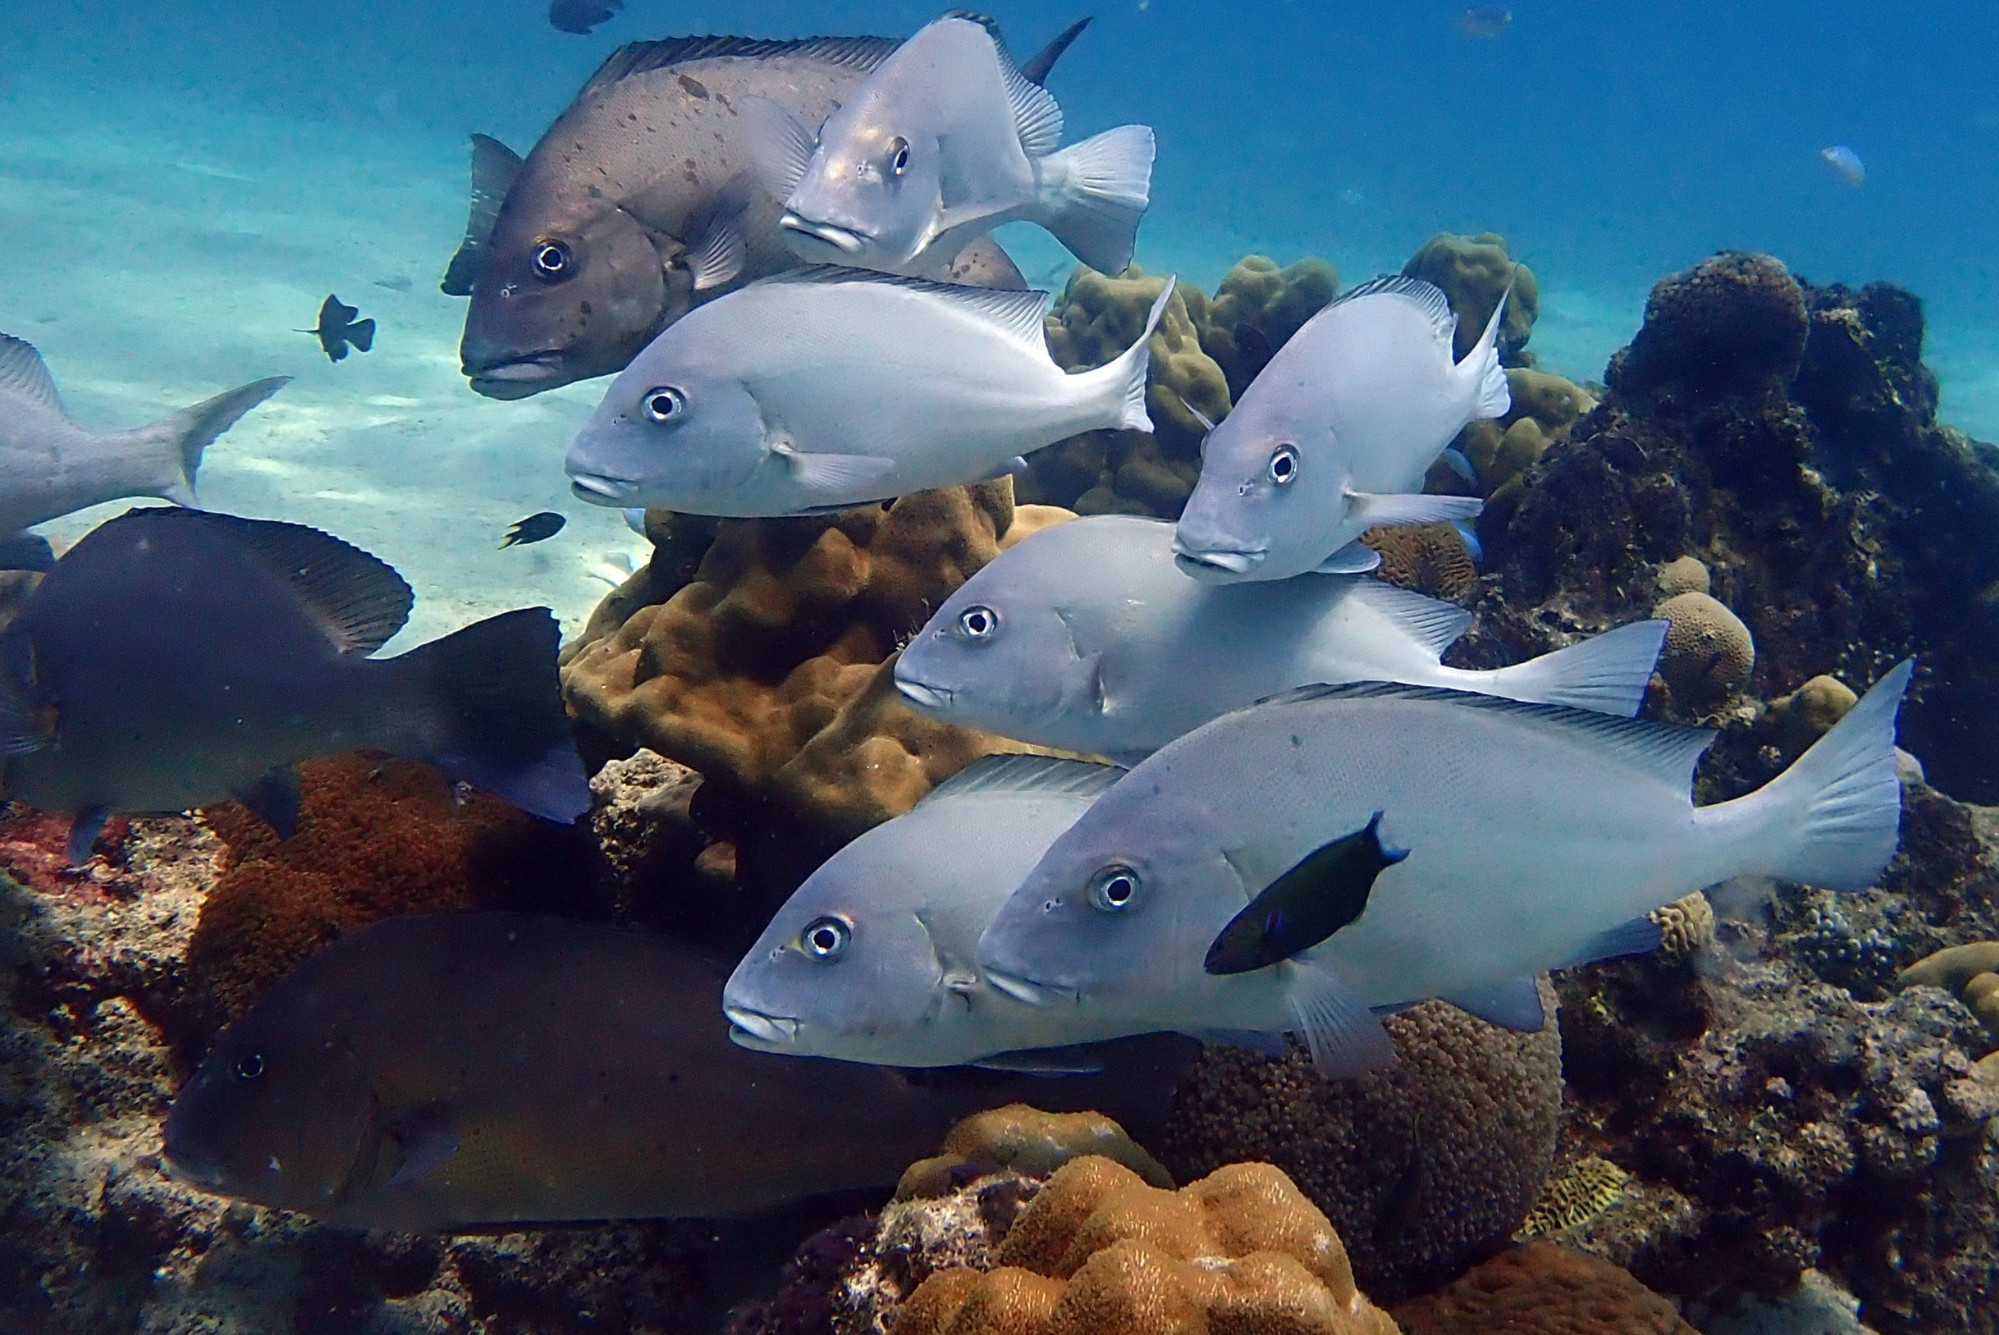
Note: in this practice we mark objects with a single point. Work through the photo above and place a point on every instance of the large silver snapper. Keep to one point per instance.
(1087, 638)
(50, 466)
(1335, 434)
(944, 141)
(871, 959)
(1525, 838)
(832, 387)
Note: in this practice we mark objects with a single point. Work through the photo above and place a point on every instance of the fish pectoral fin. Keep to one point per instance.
(276, 799)
(1011, 468)
(27, 551)
(721, 249)
(854, 476)
(1356, 558)
(1640, 936)
(426, 1144)
(1400, 510)
(1044, 1061)
(1269, 1045)
(1345, 1037)
(1514, 1004)
(780, 147)
(84, 828)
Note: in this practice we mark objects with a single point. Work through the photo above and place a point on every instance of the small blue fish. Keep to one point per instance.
(1485, 20)
(1846, 164)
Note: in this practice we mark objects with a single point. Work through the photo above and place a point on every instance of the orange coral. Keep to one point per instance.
(377, 836)
(1100, 1251)
(1543, 1289)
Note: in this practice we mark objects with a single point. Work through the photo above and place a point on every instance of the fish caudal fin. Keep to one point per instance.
(191, 430)
(1606, 673)
(1095, 193)
(1123, 379)
(488, 710)
(1481, 365)
(1834, 817)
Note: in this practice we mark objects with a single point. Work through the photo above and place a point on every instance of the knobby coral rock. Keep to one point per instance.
(1543, 1289)
(1424, 1168)
(1474, 272)
(1709, 654)
(1272, 302)
(1969, 972)
(1028, 1141)
(1732, 323)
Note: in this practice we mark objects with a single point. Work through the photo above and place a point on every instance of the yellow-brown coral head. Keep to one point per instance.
(1808, 713)
(1709, 653)
(1028, 1141)
(1685, 574)
(1969, 972)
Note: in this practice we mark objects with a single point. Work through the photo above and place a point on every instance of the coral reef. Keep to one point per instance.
(1682, 574)
(1970, 973)
(1474, 272)
(1272, 301)
(1429, 558)
(1028, 1141)
(1708, 655)
(1686, 926)
(376, 836)
(1424, 1168)
(1543, 1289)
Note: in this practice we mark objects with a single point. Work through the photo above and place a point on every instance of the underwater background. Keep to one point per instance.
(1778, 1122)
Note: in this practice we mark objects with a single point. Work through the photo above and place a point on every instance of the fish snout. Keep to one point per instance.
(192, 1170)
(504, 374)
(760, 1032)
(923, 695)
(819, 239)
(1030, 992)
(1216, 565)
(601, 489)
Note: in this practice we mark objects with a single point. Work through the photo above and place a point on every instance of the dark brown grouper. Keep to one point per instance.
(451, 1070)
(174, 658)
(641, 200)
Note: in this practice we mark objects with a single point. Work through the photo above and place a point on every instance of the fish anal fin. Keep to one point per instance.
(1346, 1038)
(1639, 936)
(1514, 1004)
(1432, 623)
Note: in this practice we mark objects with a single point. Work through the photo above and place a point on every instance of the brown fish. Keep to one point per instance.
(440, 1071)
(641, 201)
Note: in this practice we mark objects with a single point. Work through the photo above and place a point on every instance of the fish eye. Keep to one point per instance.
(663, 404)
(978, 622)
(1114, 888)
(249, 1066)
(1284, 465)
(552, 261)
(898, 156)
(825, 938)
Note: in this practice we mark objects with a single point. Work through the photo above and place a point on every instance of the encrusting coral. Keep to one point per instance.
(1424, 1167)
(1543, 1289)
(1100, 1252)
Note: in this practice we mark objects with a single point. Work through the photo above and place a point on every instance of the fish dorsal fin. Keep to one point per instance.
(1424, 293)
(1052, 776)
(1434, 624)
(1018, 314)
(25, 375)
(1037, 117)
(858, 53)
(358, 599)
(494, 169)
(1665, 751)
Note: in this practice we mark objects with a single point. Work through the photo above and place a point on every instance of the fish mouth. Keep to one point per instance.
(935, 699)
(1031, 992)
(515, 377)
(1214, 565)
(191, 1170)
(601, 489)
(843, 239)
(753, 1029)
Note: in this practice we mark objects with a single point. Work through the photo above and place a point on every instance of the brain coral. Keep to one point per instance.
(1708, 655)
(1027, 1141)
(1543, 1289)
(1424, 1167)
(1429, 558)
(1473, 271)
(767, 671)
(1098, 1251)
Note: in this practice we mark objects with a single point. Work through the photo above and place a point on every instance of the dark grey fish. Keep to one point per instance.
(641, 202)
(337, 329)
(1326, 890)
(535, 528)
(174, 658)
(580, 16)
(445, 1071)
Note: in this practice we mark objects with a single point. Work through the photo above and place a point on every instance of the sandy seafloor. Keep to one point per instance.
(160, 254)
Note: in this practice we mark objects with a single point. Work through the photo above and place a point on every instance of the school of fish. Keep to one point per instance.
(781, 253)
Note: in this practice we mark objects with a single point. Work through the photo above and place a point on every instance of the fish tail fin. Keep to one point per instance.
(1124, 378)
(362, 334)
(191, 430)
(1606, 673)
(488, 710)
(1094, 194)
(1481, 364)
(1834, 817)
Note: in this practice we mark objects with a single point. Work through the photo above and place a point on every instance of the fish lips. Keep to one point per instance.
(603, 489)
(930, 699)
(1217, 565)
(515, 377)
(1030, 992)
(760, 1032)
(822, 241)
(192, 1170)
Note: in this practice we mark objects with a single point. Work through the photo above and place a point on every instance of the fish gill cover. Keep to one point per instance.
(1772, 482)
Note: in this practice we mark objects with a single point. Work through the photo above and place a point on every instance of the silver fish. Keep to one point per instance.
(1128, 654)
(174, 658)
(871, 958)
(50, 466)
(1333, 437)
(944, 141)
(1512, 839)
(445, 1071)
(832, 387)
